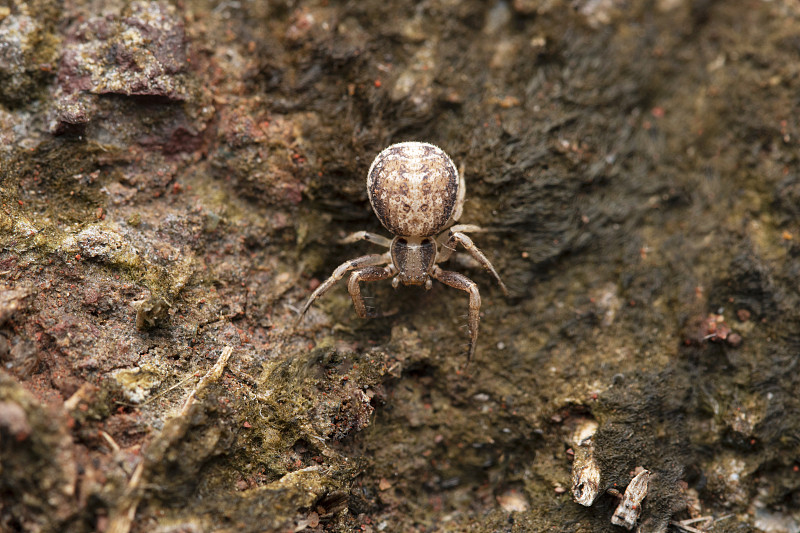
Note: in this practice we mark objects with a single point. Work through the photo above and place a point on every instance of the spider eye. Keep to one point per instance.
(402, 241)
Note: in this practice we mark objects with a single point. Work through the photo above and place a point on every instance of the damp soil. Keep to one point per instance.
(175, 179)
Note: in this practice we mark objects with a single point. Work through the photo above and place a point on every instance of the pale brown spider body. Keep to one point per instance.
(416, 193)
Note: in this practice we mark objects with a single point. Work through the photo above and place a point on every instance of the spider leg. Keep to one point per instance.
(462, 282)
(369, 273)
(468, 228)
(380, 240)
(341, 270)
(462, 193)
(456, 237)
(448, 248)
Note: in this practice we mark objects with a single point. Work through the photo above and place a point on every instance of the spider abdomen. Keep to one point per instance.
(413, 188)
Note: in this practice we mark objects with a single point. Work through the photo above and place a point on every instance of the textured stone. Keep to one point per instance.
(140, 52)
(25, 57)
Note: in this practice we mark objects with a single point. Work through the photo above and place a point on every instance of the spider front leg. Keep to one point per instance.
(380, 240)
(462, 282)
(447, 247)
(370, 273)
(456, 237)
(341, 270)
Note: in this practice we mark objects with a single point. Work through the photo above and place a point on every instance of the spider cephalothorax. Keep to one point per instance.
(416, 193)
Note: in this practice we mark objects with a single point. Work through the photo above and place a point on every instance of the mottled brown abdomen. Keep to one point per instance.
(413, 188)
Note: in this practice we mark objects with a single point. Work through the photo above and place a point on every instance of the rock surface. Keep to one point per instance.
(175, 179)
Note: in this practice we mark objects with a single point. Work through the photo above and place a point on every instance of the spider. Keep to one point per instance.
(416, 192)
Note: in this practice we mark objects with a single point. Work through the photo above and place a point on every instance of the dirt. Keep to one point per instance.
(176, 178)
